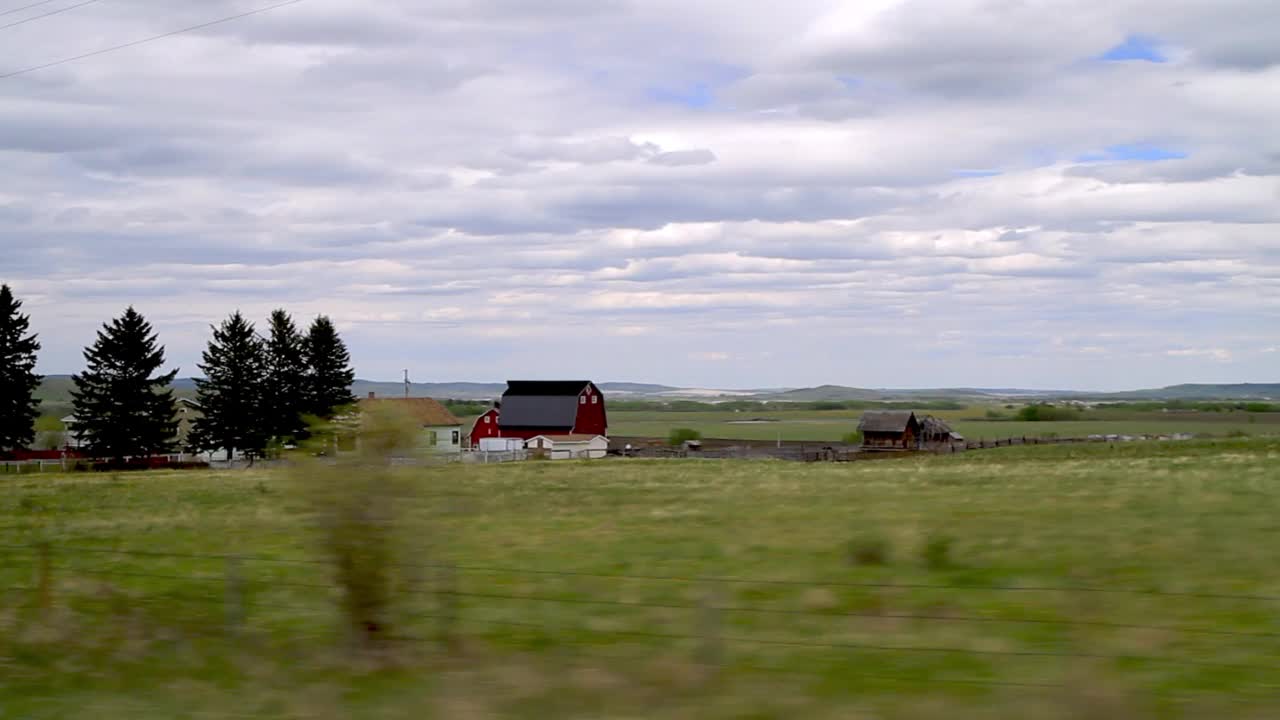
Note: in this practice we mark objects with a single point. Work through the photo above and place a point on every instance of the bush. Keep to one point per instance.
(993, 414)
(869, 550)
(680, 436)
(853, 438)
(1047, 413)
(936, 552)
(1257, 407)
(357, 499)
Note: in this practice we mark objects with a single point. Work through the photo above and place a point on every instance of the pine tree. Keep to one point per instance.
(232, 394)
(18, 378)
(329, 373)
(286, 379)
(120, 409)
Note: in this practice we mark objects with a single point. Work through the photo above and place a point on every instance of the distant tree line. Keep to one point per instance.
(775, 405)
(256, 391)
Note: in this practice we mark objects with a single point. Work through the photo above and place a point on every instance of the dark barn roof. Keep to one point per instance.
(891, 421)
(542, 388)
(541, 403)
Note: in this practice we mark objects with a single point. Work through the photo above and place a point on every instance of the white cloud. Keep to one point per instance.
(592, 188)
(1218, 354)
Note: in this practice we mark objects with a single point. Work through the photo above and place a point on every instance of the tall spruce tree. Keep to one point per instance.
(286, 392)
(18, 378)
(120, 408)
(329, 373)
(232, 394)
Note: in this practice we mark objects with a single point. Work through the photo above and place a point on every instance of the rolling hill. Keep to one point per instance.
(55, 392)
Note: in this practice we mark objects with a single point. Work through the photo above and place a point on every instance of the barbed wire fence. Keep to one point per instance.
(236, 595)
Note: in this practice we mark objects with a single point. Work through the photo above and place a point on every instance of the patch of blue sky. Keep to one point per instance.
(1136, 47)
(699, 91)
(1140, 152)
(696, 96)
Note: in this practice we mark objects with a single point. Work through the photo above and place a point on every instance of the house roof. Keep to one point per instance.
(934, 426)
(886, 420)
(427, 411)
(543, 388)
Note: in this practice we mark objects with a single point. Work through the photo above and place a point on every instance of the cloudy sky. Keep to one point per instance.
(1054, 194)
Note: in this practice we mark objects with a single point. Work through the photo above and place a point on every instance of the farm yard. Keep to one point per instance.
(1131, 581)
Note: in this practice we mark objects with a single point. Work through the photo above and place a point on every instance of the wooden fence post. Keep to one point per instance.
(447, 605)
(711, 644)
(44, 577)
(234, 597)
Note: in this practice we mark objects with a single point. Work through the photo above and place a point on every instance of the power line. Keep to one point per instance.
(51, 13)
(25, 7)
(153, 38)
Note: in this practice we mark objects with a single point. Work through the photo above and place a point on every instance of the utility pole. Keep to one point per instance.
(406, 384)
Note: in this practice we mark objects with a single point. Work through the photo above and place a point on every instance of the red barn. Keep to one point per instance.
(485, 426)
(552, 407)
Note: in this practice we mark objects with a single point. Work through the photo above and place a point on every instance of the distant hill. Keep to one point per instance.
(1230, 391)
(825, 392)
(456, 391)
(637, 388)
(55, 391)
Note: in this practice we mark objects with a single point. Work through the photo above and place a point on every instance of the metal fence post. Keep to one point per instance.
(234, 597)
(711, 643)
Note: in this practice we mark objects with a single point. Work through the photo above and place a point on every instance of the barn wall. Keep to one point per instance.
(481, 430)
(527, 433)
(592, 419)
(884, 439)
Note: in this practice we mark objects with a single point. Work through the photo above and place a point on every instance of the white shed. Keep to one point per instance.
(568, 447)
(501, 444)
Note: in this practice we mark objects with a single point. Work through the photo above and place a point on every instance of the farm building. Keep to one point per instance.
(441, 431)
(568, 447)
(185, 409)
(485, 426)
(889, 429)
(558, 407)
(934, 431)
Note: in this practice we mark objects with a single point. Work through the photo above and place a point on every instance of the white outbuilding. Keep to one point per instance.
(568, 447)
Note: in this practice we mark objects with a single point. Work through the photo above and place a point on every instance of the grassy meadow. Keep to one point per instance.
(1034, 582)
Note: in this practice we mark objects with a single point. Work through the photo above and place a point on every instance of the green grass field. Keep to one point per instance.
(578, 587)
(828, 426)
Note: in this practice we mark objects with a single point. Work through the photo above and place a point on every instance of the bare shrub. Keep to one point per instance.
(936, 551)
(355, 497)
(869, 550)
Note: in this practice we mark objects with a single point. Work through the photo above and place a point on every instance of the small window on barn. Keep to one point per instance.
(582, 399)
(487, 418)
(595, 399)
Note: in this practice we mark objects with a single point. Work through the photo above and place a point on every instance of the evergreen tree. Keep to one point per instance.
(18, 378)
(286, 379)
(232, 394)
(329, 373)
(120, 409)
